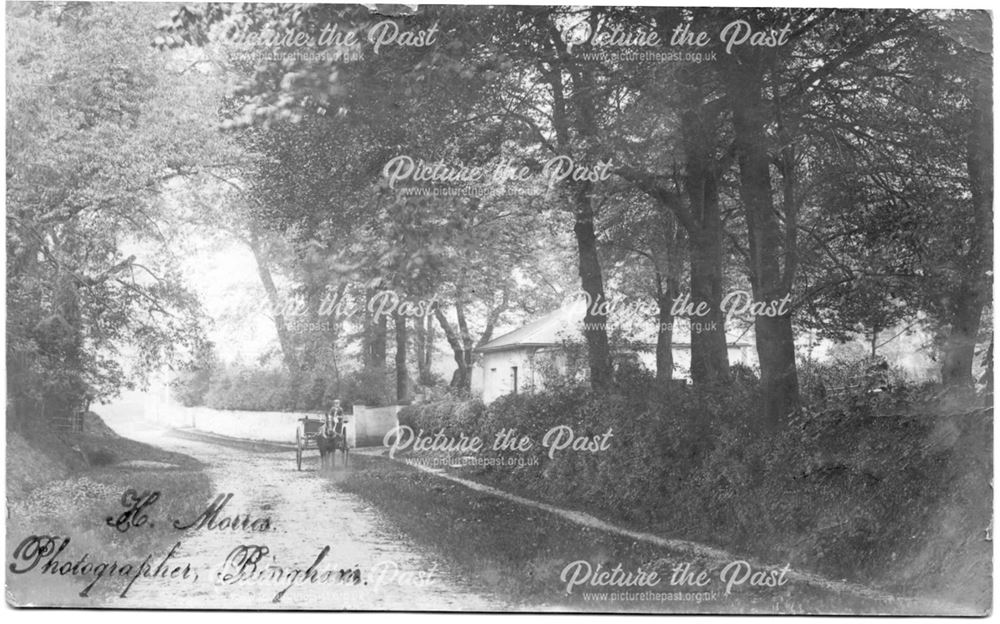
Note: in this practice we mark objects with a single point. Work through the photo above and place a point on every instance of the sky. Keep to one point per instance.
(224, 276)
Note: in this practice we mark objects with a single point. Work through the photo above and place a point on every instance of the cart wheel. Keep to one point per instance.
(298, 449)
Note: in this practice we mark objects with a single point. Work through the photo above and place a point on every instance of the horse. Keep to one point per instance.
(332, 438)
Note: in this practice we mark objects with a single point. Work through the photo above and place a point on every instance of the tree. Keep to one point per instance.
(468, 86)
(93, 135)
(767, 90)
(837, 136)
(962, 53)
(902, 221)
(649, 246)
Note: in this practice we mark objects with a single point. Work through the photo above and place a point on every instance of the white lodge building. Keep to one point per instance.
(519, 361)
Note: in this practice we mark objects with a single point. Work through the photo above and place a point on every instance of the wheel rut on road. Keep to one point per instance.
(305, 516)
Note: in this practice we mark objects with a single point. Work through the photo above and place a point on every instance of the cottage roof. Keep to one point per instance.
(566, 323)
(548, 330)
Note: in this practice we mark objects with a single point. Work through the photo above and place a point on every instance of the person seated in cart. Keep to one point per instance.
(336, 421)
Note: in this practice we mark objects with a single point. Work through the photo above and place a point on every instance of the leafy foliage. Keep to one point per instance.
(89, 143)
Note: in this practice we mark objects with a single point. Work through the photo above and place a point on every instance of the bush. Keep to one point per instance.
(245, 388)
(451, 414)
(252, 388)
(369, 387)
(820, 382)
(190, 387)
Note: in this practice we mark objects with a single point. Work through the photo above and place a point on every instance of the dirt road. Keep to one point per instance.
(306, 514)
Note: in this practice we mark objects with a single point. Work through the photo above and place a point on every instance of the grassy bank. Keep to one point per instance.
(70, 486)
(519, 553)
(884, 489)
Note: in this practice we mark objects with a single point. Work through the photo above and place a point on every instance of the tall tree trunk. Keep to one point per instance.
(429, 342)
(960, 346)
(423, 343)
(774, 336)
(492, 318)
(976, 285)
(595, 329)
(380, 334)
(988, 374)
(665, 336)
(335, 365)
(336, 320)
(374, 334)
(461, 378)
(366, 332)
(666, 269)
(709, 354)
(700, 216)
(71, 392)
(420, 348)
(273, 298)
(402, 375)
(464, 334)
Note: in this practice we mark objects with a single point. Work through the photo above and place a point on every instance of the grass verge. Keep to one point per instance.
(518, 553)
(87, 491)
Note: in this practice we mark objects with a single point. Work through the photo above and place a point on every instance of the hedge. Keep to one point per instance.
(842, 490)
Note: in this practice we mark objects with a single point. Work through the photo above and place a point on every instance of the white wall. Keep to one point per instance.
(264, 426)
(365, 427)
(370, 424)
(492, 376)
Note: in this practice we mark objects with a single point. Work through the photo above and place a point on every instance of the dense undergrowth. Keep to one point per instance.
(881, 481)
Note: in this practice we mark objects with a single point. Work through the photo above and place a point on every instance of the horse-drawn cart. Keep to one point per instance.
(305, 436)
(310, 434)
